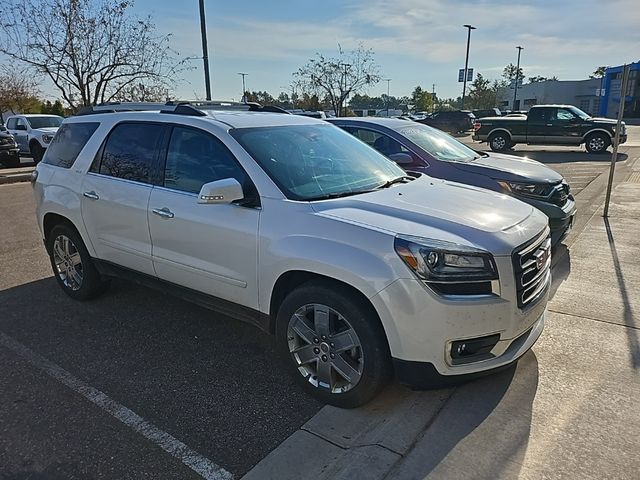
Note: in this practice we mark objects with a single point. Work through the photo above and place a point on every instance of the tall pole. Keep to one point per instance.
(388, 80)
(346, 68)
(205, 51)
(515, 91)
(433, 98)
(616, 141)
(244, 90)
(466, 62)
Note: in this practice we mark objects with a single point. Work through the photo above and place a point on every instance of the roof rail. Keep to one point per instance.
(192, 108)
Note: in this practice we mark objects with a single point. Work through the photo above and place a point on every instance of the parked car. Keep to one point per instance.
(296, 226)
(33, 133)
(549, 125)
(453, 122)
(424, 149)
(9, 151)
(489, 112)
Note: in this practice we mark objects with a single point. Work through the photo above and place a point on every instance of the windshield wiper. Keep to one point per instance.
(328, 196)
(393, 181)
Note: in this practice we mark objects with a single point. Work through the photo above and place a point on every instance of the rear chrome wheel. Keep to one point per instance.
(325, 347)
(499, 142)
(68, 262)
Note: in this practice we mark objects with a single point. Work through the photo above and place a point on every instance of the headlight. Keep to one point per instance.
(532, 189)
(47, 138)
(435, 261)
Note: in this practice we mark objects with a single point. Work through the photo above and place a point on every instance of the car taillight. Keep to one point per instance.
(476, 126)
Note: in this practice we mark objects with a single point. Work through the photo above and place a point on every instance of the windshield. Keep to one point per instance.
(579, 113)
(438, 144)
(311, 162)
(43, 122)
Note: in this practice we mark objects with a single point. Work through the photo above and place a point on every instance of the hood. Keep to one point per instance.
(442, 210)
(606, 121)
(512, 168)
(47, 129)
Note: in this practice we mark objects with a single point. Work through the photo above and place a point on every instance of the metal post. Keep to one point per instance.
(466, 63)
(244, 90)
(433, 98)
(616, 141)
(388, 82)
(346, 67)
(515, 91)
(205, 51)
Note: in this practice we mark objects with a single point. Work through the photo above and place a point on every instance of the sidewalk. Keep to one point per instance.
(570, 409)
(14, 175)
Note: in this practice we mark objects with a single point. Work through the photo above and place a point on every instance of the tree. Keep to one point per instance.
(143, 92)
(339, 77)
(422, 100)
(599, 72)
(54, 108)
(263, 98)
(482, 93)
(540, 78)
(509, 73)
(18, 90)
(92, 51)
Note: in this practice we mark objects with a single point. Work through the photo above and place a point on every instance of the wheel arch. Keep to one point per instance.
(51, 219)
(596, 130)
(499, 129)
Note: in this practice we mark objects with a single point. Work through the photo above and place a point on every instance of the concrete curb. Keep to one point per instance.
(17, 178)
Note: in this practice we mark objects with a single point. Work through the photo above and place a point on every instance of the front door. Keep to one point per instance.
(116, 195)
(209, 248)
(18, 128)
(566, 128)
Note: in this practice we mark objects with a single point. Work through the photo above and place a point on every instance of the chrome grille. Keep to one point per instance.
(532, 267)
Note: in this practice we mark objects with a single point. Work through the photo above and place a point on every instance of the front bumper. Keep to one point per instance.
(623, 138)
(560, 217)
(9, 152)
(422, 326)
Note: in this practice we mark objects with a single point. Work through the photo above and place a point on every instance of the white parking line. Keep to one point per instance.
(196, 462)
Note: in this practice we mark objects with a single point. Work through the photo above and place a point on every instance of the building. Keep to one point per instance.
(584, 94)
(611, 85)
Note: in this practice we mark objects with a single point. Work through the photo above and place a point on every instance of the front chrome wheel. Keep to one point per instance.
(68, 262)
(325, 347)
(597, 144)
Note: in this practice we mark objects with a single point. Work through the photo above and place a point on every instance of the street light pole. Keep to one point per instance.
(244, 98)
(515, 91)
(466, 62)
(388, 80)
(205, 51)
(346, 68)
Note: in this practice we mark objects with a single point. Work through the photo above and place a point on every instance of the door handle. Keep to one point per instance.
(92, 195)
(163, 212)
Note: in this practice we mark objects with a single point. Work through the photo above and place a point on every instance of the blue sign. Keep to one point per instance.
(469, 75)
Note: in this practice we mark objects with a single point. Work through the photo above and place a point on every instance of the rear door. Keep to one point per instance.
(116, 194)
(209, 248)
(538, 124)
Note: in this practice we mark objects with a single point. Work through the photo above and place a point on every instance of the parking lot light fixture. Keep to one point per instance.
(515, 91)
(466, 62)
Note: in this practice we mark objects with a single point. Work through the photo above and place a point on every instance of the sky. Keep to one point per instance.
(416, 42)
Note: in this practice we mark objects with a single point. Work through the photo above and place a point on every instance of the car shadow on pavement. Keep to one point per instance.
(560, 267)
(566, 156)
(483, 430)
(54, 471)
(629, 320)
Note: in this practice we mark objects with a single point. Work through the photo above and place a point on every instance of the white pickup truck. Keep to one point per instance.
(33, 132)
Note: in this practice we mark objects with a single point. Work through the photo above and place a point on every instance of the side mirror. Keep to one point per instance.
(21, 127)
(222, 191)
(401, 158)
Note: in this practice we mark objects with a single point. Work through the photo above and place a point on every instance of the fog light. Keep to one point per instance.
(473, 349)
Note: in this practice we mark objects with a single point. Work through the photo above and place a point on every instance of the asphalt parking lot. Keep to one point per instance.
(212, 384)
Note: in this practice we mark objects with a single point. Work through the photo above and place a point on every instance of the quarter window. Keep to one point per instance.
(70, 139)
(194, 158)
(130, 151)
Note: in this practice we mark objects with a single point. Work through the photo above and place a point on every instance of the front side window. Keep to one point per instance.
(563, 115)
(21, 122)
(130, 151)
(311, 162)
(11, 124)
(382, 143)
(44, 122)
(69, 140)
(438, 144)
(194, 158)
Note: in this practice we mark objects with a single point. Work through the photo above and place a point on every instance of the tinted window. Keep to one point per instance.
(195, 158)
(437, 143)
(67, 143)
(44, 122)
(563, 115)
(11, 123)
(130, 151)
(539, 114)
(382, 143)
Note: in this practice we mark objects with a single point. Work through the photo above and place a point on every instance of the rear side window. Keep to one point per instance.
(194, 158)
(130, 151)
(69, 140)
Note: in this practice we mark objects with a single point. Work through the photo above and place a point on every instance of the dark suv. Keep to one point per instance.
(9, 151)
(452, 122)
(488, 112)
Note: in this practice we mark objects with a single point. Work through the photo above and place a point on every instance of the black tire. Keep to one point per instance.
(37, 152)
(91, 284)
(374, 359)
(499, 141)
(597, 142)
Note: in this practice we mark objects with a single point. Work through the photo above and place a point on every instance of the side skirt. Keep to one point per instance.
(219, 305)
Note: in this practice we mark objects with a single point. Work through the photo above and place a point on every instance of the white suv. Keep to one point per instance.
(33, 132)
(296, 226)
